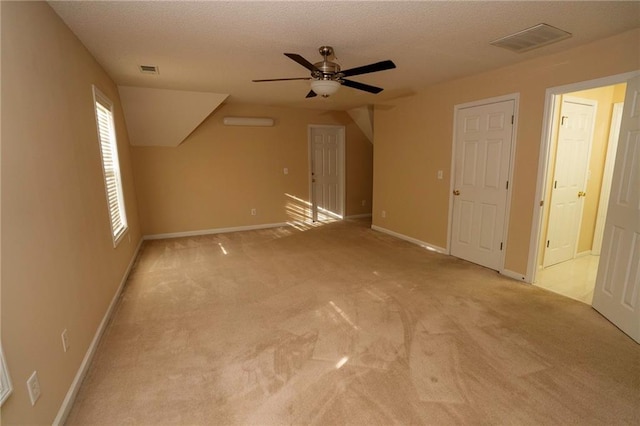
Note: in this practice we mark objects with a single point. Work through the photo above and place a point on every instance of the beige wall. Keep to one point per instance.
(59, 267)
(413, 139)
(219, 173)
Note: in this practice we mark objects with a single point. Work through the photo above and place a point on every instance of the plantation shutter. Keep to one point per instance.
(110, 165)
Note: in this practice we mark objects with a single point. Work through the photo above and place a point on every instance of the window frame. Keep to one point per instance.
(110, 162)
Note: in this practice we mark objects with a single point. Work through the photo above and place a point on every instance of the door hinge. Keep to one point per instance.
(507, 185)
(500, 246)
(541, 203)
(548, 241)
(512, 119)
(555, 184)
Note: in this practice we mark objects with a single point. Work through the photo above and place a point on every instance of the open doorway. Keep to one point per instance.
(583, 135)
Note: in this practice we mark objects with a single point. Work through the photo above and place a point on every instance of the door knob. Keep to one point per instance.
(456, 192)
(582, 194)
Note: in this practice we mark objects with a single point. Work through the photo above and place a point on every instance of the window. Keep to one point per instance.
(110, 165)
(5, 381)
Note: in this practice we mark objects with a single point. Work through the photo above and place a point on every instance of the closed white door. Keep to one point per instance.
(484, 138)
(617, 291)
(327, 171)
(569, 179)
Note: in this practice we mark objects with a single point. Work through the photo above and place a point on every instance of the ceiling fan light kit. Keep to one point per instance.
(324, 88)
(326, 76)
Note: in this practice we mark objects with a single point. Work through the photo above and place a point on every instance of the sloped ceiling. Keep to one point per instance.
(219, 47)
(160, 117)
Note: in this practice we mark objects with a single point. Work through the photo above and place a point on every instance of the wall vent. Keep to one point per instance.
(531, 38)
(149, 69)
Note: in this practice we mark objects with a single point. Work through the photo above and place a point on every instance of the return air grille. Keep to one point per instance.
(149, 69)
(531, 38)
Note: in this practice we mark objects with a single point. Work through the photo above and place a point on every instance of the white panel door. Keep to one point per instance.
(617, 291)
(569, 180)
(484, 136)
(326, 172)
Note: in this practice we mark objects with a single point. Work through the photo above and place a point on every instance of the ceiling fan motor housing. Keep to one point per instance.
(328, 70)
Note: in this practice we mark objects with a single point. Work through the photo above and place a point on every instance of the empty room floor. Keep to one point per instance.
(575, 278)
(340, 324)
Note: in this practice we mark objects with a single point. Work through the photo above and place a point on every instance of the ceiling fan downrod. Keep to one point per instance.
(327, 70)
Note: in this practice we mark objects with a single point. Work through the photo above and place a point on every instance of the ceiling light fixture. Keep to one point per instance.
(325, 88)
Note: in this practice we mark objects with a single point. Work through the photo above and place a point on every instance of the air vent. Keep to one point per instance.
(149, 69)
(531, 38)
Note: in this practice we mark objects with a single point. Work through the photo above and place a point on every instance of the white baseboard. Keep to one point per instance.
(213, 231)
(583, 253)
(358, 216)
(411, 240)
(515, 275)
(67, 403)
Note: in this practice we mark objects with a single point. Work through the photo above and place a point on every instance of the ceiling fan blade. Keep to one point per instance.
(302, 61)
(311, 94)
(361, 86)
(282, 79)
(378, 66)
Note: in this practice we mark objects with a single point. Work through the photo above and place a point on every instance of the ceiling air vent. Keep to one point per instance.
(531, 38)
(149, 69)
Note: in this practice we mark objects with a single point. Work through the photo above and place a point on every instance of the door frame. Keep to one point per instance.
(552, 174)
(341, 167)
(515, 97)
(543, 157)
(609, 163)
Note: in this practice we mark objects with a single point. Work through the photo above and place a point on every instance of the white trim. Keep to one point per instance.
(341, 164)
(515, 97)
(428, 246)
(357, 216)
(515, 275)
(543, 157)
(213, 231)
(605, 187)
(69, 399)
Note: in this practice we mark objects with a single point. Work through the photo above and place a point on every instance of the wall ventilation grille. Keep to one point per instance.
(149, 69)
(531, 38)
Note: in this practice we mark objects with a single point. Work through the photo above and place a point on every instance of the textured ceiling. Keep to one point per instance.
(221, 46)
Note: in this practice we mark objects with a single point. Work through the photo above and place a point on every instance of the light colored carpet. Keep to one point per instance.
(339, 324)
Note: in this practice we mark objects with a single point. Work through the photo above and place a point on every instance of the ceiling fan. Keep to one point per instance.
(326, 76)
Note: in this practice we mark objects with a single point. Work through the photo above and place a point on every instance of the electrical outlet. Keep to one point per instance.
(440, 174)
(33, 385)
(65, 340)
(384, 214)
(285, 171)
(364, 202)
(254, 212)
